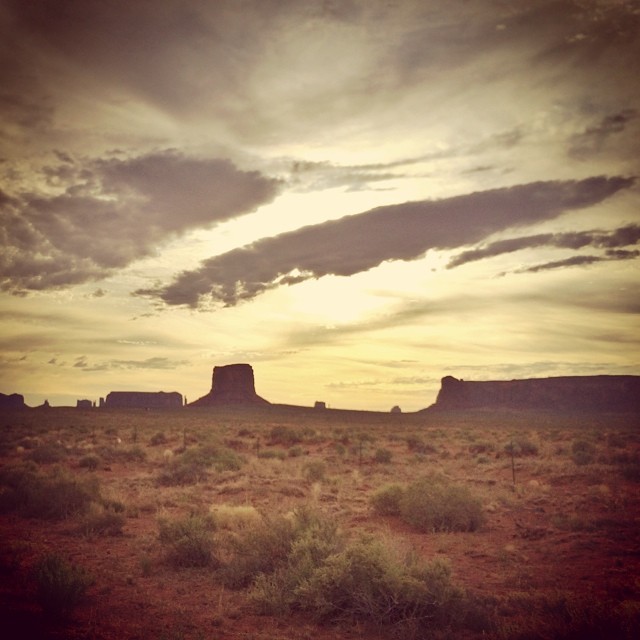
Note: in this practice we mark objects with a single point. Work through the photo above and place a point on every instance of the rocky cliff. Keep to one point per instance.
(568, 393)
(143, 399)
(12, 401)
(232, 384)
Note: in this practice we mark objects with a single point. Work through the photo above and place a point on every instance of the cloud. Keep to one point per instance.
(360, 242)
(575, 261)
(621, 237)
(110, 212)
(594, 138)
(283, 68)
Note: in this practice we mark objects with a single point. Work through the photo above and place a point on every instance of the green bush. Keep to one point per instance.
(368, 581)
(386, 500)
(382, 456)
(582, 452)
(193, 465)
(314, 471)
(190, 541)
(61, 586)
(48, 453)
(158, 439)
(272, 454)
(431, 504)
(284, 435)
(266, 547)
(51, 497)
(521, 447)
(91, 461)
(101, 520)
(417, 445)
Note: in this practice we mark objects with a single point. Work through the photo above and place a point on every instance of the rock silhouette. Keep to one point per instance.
(143, 399)
(567, 393)
(12, 401)
(232, 384)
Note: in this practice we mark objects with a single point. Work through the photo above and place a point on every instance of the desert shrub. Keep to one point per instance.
(91, 461)
(521, 447)
(386, 500)
(339, 448)
(432, 504)
(49, 497)
(101, 520)
(158, 439)
(48, 453)
(272, 454)
(189, 540)
(481, 447)
(417, 445)
(369, 581)
(265, 547)
(314, 471)
(314, 540)
(192, 465)
(382, 456)
(61, 586)
(582, 452)
(295, 452)
(284, 435)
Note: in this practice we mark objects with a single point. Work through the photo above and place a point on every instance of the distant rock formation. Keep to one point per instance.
(84, 404)
(143, 400)
(232, 384)
(396, 409)
(12, 401)
(567, 393)
(320, 405)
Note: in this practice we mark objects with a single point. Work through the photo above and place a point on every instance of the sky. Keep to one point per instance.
(356, 197)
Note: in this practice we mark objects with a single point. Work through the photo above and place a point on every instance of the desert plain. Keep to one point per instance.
(151, 516)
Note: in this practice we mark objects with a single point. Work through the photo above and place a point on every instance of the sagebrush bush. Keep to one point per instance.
(266, 546)
(582, 452)
(382, 456)
(101, 520)
(521, 447)
(189, 540)
(158, 439)
(48, 453)
(55, 496)
(314, 471)
(193, 465)
(284, 435)
(433, 504)
(90, 461)
(387, 499)
(61, 586)
(417, 445)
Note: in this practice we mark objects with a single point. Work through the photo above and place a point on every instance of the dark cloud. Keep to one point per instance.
(360, 242)
(110, 212)
(576, 261)
(621, 237)
(221, 59)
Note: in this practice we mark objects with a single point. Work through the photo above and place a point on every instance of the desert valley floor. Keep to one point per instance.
(155, 518)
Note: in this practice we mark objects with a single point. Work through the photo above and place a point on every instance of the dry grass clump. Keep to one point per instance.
(235, 517)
